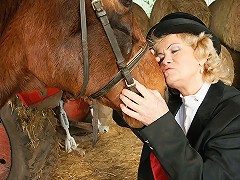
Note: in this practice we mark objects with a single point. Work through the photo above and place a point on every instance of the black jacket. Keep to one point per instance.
(211, 149)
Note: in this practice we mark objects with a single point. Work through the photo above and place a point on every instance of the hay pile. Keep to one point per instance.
(116, 156)
(227, 62)
(236, 60)
(161, 8)
(142, 18)
(225, 22)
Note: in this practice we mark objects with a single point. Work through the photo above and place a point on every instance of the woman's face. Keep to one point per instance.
(177, 61)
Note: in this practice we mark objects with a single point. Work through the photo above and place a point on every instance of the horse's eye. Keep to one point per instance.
(126, 3)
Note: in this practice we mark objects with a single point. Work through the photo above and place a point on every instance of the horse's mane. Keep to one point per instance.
(8, 9)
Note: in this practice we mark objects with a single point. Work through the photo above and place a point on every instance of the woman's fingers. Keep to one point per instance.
(155, 93)
(148, 95)
(132, 95)
(142, 89)
(135, 97)
(146, 109)
(129, 112)
(129, 102)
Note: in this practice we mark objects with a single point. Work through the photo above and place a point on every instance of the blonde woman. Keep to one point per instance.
(196, 134)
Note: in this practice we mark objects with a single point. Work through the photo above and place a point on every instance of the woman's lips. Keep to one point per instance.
(166, 69)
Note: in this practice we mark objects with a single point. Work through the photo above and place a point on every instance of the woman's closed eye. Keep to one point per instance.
(174, 51)
(171, 50)
(175, 48)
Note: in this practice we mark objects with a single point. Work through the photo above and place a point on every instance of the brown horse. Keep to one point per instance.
(40, 46)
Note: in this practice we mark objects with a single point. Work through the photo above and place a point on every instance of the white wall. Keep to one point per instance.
(209, 2)
(148, 4)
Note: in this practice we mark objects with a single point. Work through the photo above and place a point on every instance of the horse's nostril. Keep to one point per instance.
(2, 161)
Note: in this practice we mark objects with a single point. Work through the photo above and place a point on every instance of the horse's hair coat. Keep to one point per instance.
(40, 46)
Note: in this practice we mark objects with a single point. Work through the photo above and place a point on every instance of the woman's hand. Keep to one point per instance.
(146, 109)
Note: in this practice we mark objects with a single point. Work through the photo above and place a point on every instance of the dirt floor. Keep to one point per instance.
(115, 157)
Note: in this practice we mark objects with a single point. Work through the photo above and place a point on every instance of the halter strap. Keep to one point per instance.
(122, 65)
(118, 77)
(84, 46)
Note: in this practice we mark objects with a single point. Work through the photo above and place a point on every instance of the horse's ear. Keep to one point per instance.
(126, 3)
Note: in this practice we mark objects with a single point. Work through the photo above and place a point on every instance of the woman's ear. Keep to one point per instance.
(201, 65)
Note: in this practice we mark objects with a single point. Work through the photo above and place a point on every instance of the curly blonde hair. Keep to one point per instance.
(216, 67)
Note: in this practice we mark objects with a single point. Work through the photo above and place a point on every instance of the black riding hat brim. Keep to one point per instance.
(182, 25)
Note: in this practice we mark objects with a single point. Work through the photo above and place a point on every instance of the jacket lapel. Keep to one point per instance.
(174, 102)
(204, 113)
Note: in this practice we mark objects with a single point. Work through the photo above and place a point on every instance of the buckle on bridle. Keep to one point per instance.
(97, 5)
(130, 85)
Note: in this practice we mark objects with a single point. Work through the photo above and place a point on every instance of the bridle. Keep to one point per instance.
(124, 68)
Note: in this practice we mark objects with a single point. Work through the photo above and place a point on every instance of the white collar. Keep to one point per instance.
(196, 99)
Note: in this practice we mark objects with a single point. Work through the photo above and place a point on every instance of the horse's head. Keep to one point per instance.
(41, 47)
(130, 40)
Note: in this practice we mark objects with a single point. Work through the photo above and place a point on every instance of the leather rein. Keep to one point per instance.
(124, 68)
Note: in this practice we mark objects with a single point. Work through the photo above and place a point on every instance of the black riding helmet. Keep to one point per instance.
(180, 22)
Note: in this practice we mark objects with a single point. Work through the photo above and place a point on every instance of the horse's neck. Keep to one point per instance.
(8, 9)
(10, 79)
(14, 76)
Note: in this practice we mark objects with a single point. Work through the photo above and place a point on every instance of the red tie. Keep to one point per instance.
(158, 171)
